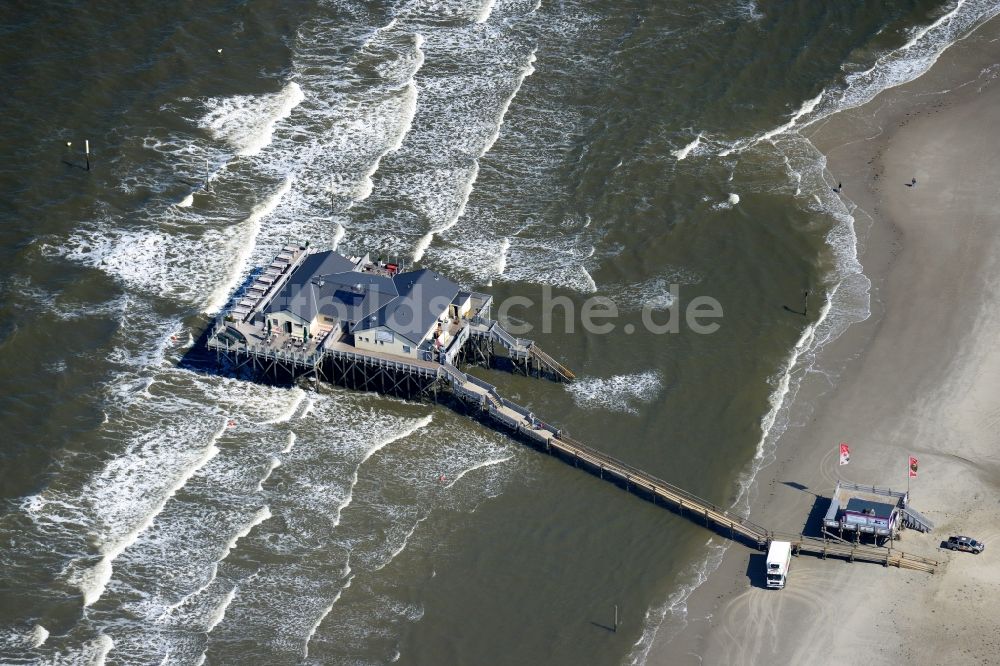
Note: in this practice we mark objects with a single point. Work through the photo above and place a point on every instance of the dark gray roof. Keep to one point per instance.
(859, 505)
(322, 263)
(423, 296)
(326, 283)
(352, 296)
(297, 294)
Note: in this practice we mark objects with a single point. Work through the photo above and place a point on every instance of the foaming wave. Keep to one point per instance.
(94, 653)
(914, 58)
(395, 552)
(749, 10)
(891, 69)
(358, 113)
(730, 201)
(803, 111)
(220, 612)
(39, 635)
(298, 395)
(620, 393)
(502, 258)
(246, 122)
(272, 465)
(653, 293)
(557, 261)
(319, 620)
(371, 451)
(481, 465)
(181, 263)
(682, 153)
(264, 513)
(484, 14)
(92, 582)
(465, 190)
(673, 611)
(244, 239)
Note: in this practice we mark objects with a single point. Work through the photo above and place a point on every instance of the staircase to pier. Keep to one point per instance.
(916, 520)
(521, 348)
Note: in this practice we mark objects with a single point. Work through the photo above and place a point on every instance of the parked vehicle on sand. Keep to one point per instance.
(965, 543)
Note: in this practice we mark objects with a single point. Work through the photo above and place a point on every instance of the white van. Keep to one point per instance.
(779, 556)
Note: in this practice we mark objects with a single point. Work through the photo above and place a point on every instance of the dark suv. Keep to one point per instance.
(965, 543)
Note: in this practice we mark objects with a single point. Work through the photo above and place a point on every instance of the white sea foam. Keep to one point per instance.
(749, 10)
(620, 393)
(485, 11)
(244, 240)
(186, 201)
(408, 109)
(465, 190)
(403, 433)
(298, 395)
(220, 611)
(444, 215)
(272, 465)
(92, 582)
(102, 646)
(319, 620)
(246, 122)
(730, 201)
(527, 70)
(480, 465)
(402, 545)
(39, 635)
(682, 153)
(806, 108)
(502, 257)
(264, 513)
(310, 403)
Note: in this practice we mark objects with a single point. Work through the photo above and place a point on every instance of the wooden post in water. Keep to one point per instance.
(86, 152)
(616, 619)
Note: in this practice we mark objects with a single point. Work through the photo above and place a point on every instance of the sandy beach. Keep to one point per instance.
(920, 377)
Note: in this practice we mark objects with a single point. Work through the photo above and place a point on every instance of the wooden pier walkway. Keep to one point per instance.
(554, 441)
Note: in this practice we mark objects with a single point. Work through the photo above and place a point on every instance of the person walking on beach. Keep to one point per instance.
(913, 182)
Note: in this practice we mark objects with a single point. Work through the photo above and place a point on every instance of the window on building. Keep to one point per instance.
(406, 349)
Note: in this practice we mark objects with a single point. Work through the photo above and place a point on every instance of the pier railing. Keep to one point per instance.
(679, 497)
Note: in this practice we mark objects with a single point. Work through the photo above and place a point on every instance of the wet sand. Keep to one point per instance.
(920, 377)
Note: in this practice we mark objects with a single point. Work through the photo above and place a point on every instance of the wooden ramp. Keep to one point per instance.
(856, 552)
(521, 349)
(553, 365)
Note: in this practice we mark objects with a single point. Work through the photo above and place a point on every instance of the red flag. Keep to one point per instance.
(845, 453)
(913, 467)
